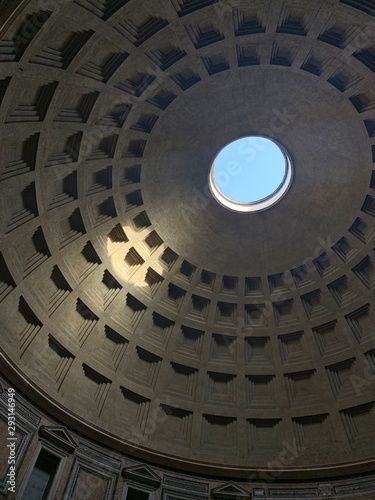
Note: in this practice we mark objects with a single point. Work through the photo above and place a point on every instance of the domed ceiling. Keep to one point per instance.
(136, 308)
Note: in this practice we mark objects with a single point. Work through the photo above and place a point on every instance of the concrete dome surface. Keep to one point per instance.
(134, 307)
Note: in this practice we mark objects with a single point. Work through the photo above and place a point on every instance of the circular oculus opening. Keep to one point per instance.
(250, 174)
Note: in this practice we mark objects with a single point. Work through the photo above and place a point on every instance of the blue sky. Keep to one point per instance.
(249, 169)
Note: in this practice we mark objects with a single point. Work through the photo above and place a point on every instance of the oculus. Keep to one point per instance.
(251, 174)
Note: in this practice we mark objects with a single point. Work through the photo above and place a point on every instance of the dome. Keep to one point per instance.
(138, 310)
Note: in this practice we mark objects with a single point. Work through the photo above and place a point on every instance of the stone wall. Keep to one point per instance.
(87, 470)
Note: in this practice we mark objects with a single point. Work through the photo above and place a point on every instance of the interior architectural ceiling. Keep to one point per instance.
(137, 309)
